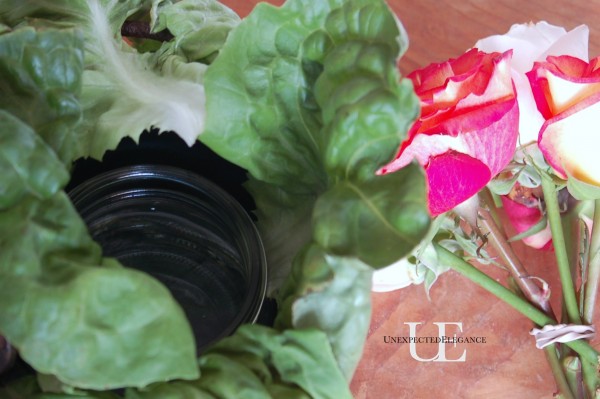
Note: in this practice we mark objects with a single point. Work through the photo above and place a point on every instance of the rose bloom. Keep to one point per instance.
(523, 209)
(531, 43)
(468, 127)
(567, 93)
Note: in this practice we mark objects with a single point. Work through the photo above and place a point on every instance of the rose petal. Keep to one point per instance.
(562, 82)
(467, 129)
(530, 118)
(522, 218)
(491, 138)
(395, 276)
(531, 43)
(453, 178)
(570, 141)
(534, 42)
(574, 43)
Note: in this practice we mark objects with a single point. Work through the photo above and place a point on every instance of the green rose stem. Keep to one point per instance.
(497, 238)
(591, 288)
(585, 351)
(560, 249)
(560, 377)
(593, 270)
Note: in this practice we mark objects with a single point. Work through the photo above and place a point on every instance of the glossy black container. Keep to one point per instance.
(186, 232)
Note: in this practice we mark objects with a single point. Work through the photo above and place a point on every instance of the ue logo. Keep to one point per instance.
(442, 341)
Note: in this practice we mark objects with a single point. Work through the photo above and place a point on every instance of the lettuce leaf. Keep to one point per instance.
(259, 362)
(29, 388)
(43, 73)
(332, 294)
(123, 92)
(199, 27)
(68, 311)
(29, 166)
(307, 97)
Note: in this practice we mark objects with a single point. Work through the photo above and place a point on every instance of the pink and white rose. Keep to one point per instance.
(567, 93)
(468, 127)
(531, 43)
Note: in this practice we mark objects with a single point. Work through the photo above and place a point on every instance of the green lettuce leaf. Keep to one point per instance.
(28, 165)
(40, 77)
(333, 295)
(199, 27)
(69, 312)
(259, 362)
(123, 92)
(29, 388)
(307, 97)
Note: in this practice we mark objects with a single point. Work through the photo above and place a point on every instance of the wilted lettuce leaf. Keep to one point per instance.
(67, 311)
(307, 97)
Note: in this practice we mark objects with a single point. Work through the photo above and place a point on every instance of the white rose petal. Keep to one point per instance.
(531, 43)
(397, 275)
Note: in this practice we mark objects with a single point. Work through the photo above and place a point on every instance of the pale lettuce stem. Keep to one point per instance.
(593, 270)
(498, 239)
(457, 263)
(560, 249)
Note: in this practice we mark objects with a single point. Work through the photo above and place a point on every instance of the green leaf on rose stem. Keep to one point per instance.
(260, 362)
(537, 168)
(526, 175)
(581, 190)
(433, 269)
(529, 177)
(501, 186)
(540, 225)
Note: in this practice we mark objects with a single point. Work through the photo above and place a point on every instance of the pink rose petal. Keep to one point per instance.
(522, 218)
(453, 178)
(570, 141)
(467, 129)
